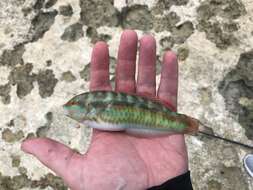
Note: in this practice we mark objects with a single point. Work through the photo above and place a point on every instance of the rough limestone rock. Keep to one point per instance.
(45, 48)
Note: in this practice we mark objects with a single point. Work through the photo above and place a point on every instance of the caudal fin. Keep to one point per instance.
(192, 125)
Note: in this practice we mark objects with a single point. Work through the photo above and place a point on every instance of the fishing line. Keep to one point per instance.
(222, 138)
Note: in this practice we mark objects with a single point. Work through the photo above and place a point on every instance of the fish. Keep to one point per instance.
(135, 115)
(124, 112)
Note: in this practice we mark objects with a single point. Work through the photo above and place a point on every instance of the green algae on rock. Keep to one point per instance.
(183, 31)
(182, 53)
(5, 93)
(15, 160)
(30, 136)
(98, 13)
(73, 32)
(92, 33)
(214, 185)
(46, 81)
(42, 131)
(22, 77)
(68, 76)
(220, 31)
(10, 137)
(38, 4)
(50, 3)
(166, 22)
(163, 5)
(206, 96)
(66, 10)
(23, 181)
(237, 84)
(85, 73)
(12, 57)
(49, 62)
(167, 42)
(137, 17)
(41, 23)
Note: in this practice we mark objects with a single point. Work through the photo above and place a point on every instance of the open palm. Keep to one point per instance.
(116, 160)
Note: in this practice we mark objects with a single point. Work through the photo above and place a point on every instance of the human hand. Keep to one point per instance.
(117, 160)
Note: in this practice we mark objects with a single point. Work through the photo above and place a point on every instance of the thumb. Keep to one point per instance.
(56, 156)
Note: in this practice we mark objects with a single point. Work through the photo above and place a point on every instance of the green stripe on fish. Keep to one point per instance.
(140, 117)
(121, 111)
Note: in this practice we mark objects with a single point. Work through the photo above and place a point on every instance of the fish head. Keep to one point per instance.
(75, 109)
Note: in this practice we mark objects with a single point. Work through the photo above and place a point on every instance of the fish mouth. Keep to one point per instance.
(65, 110)
(70, 103)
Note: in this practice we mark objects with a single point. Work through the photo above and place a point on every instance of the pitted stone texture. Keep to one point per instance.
(66, 10)
(45, 49)
(12, 57)
(4, 93)
(220, 31)
(41, 23)
(99, 13)
(47, 81)
(73, 32)
(14, 25)
(68, 76)
(93, 34)
(225, 172)
(137, 17)
(21, 77)
(22, 181)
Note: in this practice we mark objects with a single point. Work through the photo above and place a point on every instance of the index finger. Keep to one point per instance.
(99, 73)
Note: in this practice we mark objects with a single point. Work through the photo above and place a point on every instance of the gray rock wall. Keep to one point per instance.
(45, 48)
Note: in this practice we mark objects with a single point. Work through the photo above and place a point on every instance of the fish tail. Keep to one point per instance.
(192, 125)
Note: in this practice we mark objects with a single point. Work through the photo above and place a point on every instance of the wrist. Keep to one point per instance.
(182, 181)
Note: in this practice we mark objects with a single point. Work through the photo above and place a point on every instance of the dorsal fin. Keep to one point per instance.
(107, 98)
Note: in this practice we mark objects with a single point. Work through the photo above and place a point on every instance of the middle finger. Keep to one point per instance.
(146, 80)
(125, 69)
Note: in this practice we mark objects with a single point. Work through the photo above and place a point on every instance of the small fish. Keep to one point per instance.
(136, 115)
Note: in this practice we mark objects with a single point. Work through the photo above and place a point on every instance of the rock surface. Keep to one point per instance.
(45, 48)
